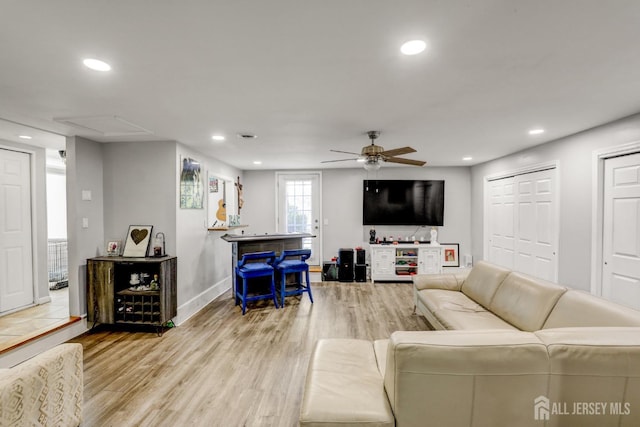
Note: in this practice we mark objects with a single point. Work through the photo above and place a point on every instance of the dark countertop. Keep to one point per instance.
(258, 237)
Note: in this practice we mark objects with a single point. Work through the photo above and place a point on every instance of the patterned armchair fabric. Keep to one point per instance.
(45, 390)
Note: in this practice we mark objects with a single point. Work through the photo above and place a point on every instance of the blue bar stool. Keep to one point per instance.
(285, 265)
(250, 270)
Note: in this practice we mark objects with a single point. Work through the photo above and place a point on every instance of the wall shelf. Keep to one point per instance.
(226, 228)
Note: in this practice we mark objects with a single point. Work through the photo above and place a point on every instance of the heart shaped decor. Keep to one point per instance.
(138, 235)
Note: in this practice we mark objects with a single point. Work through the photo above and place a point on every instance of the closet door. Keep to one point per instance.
(523, 223)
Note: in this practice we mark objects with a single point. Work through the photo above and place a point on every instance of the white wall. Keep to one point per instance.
(342, 206)
(574, 155)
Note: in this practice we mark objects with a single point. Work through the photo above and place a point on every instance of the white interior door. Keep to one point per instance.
(16, 266)
(299, 209)
(523, 223)
(621, 230)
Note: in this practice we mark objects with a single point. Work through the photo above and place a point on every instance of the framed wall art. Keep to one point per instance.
(137, 241)
(450, 254)
(191, 185)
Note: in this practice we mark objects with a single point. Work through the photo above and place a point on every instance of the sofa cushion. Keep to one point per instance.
(437, 299)
(465, 378)
(524, 301)
(344, 386)
(599, 364)
(452, 282)
(380, 349)
(483, 281)
(579, 308)
(460, 320)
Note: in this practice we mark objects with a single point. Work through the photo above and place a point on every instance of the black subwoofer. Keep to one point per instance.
(345, 265)
(361, 272)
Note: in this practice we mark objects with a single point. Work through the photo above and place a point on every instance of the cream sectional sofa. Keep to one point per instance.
(46, 390)
(511, 350)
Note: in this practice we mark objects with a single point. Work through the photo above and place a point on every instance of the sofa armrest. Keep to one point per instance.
(46, 390)
(464, 378)
(451, 282)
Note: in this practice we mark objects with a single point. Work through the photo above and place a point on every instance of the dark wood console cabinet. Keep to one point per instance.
(110, 299)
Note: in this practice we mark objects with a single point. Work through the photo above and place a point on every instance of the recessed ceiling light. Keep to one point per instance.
(413, 47)
(24, 137)
(96, 64)
(218, 137)
(257, 162)
(468, 158)
(537, 131)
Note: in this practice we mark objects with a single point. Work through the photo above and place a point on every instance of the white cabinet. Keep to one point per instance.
(401, 262)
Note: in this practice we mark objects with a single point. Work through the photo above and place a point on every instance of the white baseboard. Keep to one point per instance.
(44, 300)
(194, 305)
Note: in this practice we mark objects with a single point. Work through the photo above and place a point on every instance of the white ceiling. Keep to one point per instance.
(308, 76)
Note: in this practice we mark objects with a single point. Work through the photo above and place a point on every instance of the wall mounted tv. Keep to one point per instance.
(403, 202)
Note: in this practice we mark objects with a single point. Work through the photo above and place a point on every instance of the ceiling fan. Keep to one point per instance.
(372, 155)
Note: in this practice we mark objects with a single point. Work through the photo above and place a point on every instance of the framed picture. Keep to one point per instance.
(191, 185)
(114, 247)
(450, 254)
(137, 241)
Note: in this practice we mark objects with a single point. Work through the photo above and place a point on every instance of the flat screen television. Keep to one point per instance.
(403, 202)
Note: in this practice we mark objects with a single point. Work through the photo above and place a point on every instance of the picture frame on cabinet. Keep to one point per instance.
(137, 242)
(450, 254)
(114, 247)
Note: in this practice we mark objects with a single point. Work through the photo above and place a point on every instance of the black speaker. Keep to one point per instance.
(360, 256)
(361, 272)
(345, 265)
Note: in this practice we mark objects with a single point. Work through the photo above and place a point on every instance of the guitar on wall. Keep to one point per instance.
(221, 213)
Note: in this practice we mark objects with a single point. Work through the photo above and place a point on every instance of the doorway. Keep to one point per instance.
(298, 208)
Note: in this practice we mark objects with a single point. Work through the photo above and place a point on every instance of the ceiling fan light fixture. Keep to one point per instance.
(371, 165)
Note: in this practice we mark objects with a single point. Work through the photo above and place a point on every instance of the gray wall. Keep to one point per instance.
(138, 180)
(342, 206)
(84, 172)
(574, 155)
(204, 259)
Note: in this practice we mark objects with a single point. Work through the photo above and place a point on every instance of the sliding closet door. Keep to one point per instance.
(523, 223)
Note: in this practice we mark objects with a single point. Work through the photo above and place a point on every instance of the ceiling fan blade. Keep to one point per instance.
(341, 160)
(398, 151)
(346, 152)
(405, 161)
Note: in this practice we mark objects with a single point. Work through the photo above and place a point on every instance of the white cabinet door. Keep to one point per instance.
(384, 261)
(430, 260)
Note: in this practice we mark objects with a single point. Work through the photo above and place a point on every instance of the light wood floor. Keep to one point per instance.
(220, 368)
(28, 324)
